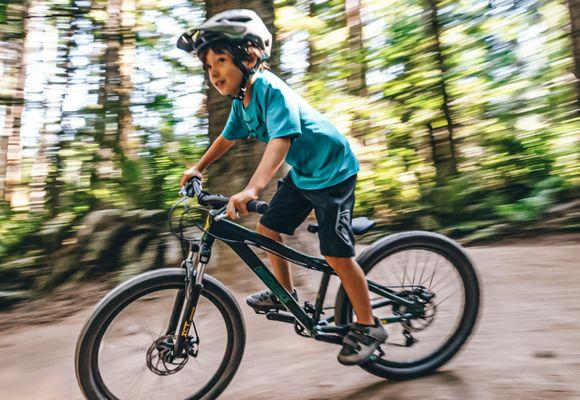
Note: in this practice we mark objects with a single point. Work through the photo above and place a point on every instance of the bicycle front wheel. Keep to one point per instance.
(430, 269)
(120, 351)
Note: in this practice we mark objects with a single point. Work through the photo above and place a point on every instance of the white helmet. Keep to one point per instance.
(238, 26)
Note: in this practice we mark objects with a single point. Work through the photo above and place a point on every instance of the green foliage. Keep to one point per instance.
(16, 228)
(492, 85)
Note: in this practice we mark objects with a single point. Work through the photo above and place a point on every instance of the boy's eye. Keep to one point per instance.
(221, 59)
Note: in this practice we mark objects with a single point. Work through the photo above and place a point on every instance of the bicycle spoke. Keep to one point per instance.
(448, 296)
(435, 269)
(412, 269)
(422, 272)
(124, 352)
(137, 378)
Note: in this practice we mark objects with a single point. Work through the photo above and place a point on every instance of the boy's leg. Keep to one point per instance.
(353, 279)
(278, 264)
(334, 206)
(287, 209)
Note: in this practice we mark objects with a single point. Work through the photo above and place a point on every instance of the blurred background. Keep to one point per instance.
(464, 115)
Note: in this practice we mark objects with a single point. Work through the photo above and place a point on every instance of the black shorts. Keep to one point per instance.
(333, 208)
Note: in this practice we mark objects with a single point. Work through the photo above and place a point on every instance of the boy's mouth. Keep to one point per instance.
(220, 83)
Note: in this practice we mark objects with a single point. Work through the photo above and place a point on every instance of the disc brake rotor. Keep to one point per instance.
(160, 357)
(420, 322)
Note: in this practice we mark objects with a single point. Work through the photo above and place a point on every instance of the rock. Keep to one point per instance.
(101, 252)
(487, 233)
(172, 251)
(21, 273)
(134, 247)
(8, 298)
(153, 216)
(53, 232)
(145, 217)
(98, 221)
(545, 354)
(428, 223)
(149, 260)
(561, 208)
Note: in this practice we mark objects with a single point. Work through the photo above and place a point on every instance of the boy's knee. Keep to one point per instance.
(340, 262)
(268, 232)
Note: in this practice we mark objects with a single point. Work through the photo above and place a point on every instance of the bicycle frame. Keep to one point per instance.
(239, 239)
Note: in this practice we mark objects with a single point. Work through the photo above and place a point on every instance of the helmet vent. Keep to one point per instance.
(240, 19)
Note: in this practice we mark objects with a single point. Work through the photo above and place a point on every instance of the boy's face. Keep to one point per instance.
(223, 73)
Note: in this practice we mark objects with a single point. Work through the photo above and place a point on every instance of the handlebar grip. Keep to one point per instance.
(257, 206)
(213, 200)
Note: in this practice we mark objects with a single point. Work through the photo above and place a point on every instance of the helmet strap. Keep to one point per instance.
(246, 74)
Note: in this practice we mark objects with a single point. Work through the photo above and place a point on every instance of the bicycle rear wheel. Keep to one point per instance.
(412, 263)
(120, 349)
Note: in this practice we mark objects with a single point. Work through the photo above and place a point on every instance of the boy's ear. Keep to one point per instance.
(253, 53)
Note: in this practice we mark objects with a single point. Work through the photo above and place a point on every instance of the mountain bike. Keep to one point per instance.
(178, 333)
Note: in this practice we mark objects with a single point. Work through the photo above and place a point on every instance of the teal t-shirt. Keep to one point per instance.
(319, 155)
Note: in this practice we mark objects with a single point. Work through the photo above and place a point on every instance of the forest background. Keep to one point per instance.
(464, 114)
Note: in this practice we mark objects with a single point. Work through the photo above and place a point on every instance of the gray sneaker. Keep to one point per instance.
(361, 342)
(265, 301)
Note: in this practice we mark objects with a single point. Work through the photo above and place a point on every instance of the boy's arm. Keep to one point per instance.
(272, 160)
(217, 149)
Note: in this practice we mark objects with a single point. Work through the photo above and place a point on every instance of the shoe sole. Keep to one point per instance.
(365, 359)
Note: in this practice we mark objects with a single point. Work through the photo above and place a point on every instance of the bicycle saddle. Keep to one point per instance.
(359, 225)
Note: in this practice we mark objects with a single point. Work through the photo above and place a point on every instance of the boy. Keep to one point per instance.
(233, 46)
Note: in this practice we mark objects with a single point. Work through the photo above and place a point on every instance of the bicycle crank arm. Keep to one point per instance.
(323, 337)
(398, 318)
(280, 316)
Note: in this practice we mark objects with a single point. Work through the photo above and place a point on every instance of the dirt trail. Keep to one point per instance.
(526, 345)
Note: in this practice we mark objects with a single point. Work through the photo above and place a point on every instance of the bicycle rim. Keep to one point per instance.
(406, 270)
(120, 364)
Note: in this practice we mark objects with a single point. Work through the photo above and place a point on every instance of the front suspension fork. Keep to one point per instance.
(182, 317)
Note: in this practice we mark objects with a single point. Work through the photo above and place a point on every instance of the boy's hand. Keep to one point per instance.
(238, 202)
(188, 174)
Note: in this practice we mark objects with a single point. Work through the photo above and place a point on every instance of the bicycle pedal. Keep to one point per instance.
(264, 311)
(281, 316)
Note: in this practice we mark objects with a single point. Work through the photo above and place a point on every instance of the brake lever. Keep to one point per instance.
(184, 189)
(221, 214)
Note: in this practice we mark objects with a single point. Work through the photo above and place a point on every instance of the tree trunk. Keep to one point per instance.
(109, 132)
(10, 147)
(234, 170)
(54, 184)
(129, 145)
(356, 82)
(114, 126)
(446, 161)
(315, 58)
(575, 30)
(440, 155)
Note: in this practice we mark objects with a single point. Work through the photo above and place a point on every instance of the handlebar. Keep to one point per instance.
(193, 189)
